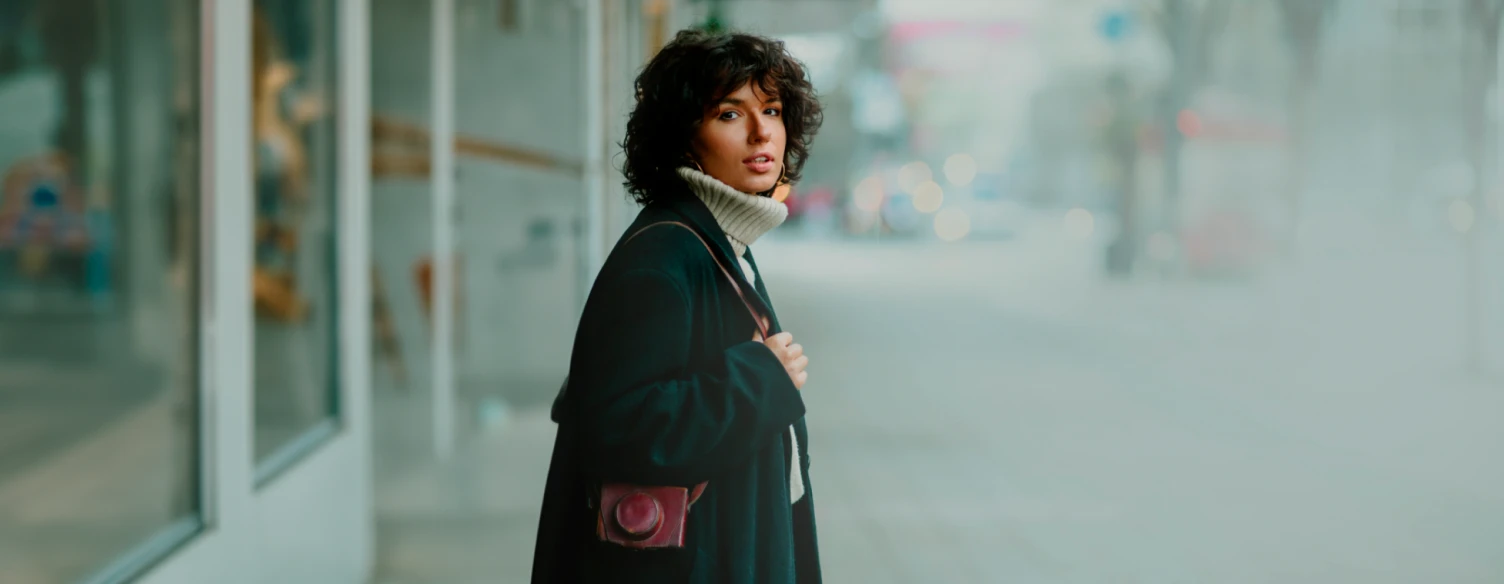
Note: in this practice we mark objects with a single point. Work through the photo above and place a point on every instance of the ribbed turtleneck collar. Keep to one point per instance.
(744, 217)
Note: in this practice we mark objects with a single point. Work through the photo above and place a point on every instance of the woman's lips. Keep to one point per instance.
(759, 165)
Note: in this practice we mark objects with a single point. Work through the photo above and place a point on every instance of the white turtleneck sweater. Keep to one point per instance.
(745, 217)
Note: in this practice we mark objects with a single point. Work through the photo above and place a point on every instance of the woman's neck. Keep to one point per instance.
(743, 216)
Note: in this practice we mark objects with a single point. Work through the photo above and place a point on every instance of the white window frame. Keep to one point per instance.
(313, 522)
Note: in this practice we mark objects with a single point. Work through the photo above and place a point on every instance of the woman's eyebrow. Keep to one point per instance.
(738, 102)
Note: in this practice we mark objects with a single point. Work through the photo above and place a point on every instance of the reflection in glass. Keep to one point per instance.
(99, 191)
(292, 83)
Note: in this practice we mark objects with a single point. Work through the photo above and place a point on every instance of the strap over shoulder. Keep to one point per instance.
(762, 323)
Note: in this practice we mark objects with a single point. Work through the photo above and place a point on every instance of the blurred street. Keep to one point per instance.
(989, 412)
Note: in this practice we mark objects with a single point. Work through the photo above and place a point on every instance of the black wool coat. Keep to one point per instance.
(667, 387)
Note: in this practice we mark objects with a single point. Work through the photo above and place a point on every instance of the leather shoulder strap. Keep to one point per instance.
(756, 318)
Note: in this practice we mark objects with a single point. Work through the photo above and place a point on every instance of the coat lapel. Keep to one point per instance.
(762, 293)
(694, 212)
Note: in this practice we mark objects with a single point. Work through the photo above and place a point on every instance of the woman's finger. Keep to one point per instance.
(796, 350)
(799, 364)
(800, 379)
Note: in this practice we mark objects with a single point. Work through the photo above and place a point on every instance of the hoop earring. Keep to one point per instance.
(696, 163)
(783, 179)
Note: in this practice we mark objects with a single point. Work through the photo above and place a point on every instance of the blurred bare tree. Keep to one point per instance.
(1483, 19)
(1189, 29)
(1304, 23)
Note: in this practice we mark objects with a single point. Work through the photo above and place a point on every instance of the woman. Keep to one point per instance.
(672, 381)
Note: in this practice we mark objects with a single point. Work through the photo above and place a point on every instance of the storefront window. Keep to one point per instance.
(293, 73)
(99, 199)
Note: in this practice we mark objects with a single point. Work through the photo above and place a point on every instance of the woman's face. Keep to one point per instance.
(740, 142)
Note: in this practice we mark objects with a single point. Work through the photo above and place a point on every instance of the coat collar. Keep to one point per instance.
(693, 212)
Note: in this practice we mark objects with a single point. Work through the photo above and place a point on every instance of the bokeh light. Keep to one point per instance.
(960, 169)
(952, 224)
(914, 174)
(1079, 223)
(1189, 123)
(868, 194)
(928, 197)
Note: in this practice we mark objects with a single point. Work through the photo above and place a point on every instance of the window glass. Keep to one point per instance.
(99, 271)
(294, 277)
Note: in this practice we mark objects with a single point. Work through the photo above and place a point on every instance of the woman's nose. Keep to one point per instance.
(761, 132)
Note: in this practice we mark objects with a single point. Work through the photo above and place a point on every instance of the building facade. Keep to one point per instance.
(217, 235)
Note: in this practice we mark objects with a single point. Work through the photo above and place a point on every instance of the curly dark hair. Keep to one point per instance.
(692, 74)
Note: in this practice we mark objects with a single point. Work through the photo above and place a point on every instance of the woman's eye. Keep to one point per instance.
(773, 111)
(728, 115)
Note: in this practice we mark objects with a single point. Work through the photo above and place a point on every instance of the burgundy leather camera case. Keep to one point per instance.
(641, 517)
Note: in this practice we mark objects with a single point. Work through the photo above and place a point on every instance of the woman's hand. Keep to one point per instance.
(789, 353)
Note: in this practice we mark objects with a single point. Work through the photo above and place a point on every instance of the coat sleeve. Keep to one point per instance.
(649, 415)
